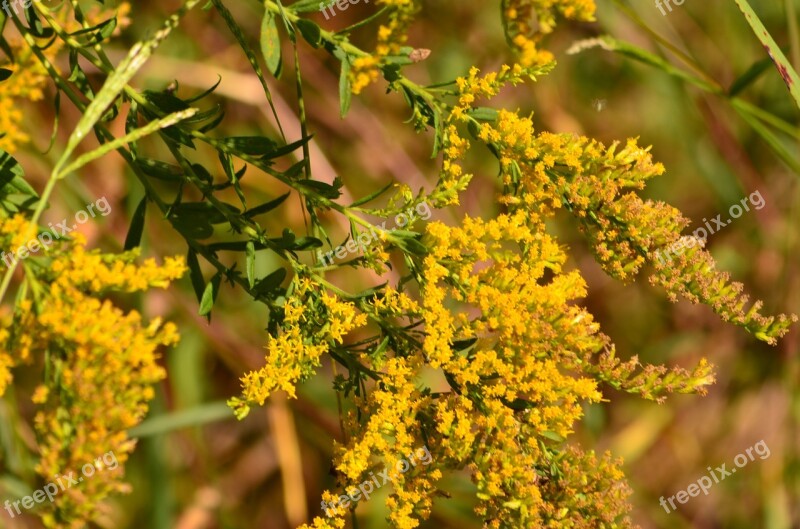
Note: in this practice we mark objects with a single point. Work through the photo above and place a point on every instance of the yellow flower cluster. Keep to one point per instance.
(492, 366)
(527, 21)
(366, 70)
(7, 361)
(313, 322)
(543, 172)
(501, 321)
(453, 179)
(15, 232)
(512, 381)
(388, 435)
(588, 493)
(101, 364)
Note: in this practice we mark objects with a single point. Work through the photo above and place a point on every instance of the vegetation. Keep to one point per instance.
(469, 334)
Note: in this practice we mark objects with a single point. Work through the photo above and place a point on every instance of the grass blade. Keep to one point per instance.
(205, 414)
(788, 73)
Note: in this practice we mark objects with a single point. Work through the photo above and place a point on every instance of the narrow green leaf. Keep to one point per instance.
(160, 170)
(305, 243)
(131, 137)
(788, 73)
(750, 76)
(310, 31)
(12, 177)
(773, 141)
(195, 274)
(210, 295)
(483, 114)
(134, 238)
(251, 263)
(288, 148)
(553, 436)
(178, 420)
(345, 90)
(323, 188)
(206, 92)
(372, 196)
(609, 43)
(107, 29)
(115, 84)
(253, 145)
(410, 244)
(251, 56)
(271, 43)
(270, 283)
(267, 207)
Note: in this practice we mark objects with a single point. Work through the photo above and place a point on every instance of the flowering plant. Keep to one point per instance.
(490, 306)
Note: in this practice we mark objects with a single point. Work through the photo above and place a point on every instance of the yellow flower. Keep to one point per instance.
(103, 361)
(294, 355)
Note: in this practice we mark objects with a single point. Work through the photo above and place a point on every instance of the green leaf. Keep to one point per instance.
(310, 31)
(251, 263)
(252, 145)
(206, 92)
(345, 89)
(288, 148)
(134, 238)
(612, 44)
(178, 420)
(210, 295)
(264, 208)
(409, 243)
(251, 56)
(160, 170)
(195, 274)
(37, 28)
(788, 73)
(271, 43)
(196, 211)
(12, 175)
(519, 405)
(115, 84)
(166, 101)
(323, 188)
(131, 137)
(370, 292)
(197, 219)
(5, 74)
(107, 28)
(553, 436)
(483, 114)
(305, 243)
(270, 283)
(773, 141)
(750, 76)
(372, 196)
